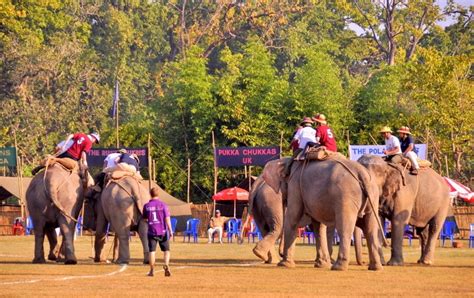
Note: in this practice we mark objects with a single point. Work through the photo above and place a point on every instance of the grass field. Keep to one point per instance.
(231, 270)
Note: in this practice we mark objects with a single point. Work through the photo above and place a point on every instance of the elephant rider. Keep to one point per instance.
(324, 134)
(392, 149)
(129, 161)
(81, 145)
(407, 145)
(110, 163)
(294, 143)
(305, 137)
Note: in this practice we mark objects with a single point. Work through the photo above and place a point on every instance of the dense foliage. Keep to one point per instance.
(246, 70)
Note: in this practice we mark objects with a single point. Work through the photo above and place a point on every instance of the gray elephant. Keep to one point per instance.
(54, 199)
(420, 200)
(121, 204)
(334, 193)
(266, 206)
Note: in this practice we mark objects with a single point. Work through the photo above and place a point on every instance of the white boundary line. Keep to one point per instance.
(122, 269)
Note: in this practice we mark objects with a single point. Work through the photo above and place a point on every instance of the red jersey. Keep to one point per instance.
(326, 137)
(81, 143)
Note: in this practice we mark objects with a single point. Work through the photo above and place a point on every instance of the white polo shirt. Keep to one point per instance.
(110, 159)
(305, 135)
(391, 143)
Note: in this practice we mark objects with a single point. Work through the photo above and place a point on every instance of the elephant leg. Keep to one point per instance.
(124, 245)
(435, 226)
(345, 226)
(293, 215)
(423, 234)
(100, 238)
(39, 239)
(373, 241)
(398, 226)
(142, 232)
(265, 247)
(358, 245)
(53, 243)
(68, 228)
(321, 235)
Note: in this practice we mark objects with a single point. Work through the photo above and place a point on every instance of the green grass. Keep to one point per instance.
(231, 270)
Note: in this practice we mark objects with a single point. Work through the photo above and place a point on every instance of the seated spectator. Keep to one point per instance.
(216, 225)
(18, 228)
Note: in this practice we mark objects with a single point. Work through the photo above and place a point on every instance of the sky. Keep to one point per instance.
(441, 3)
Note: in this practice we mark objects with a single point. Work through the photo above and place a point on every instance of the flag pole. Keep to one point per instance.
(215, 168)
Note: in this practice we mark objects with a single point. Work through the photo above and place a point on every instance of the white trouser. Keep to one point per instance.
(412, 157)
(212, 230)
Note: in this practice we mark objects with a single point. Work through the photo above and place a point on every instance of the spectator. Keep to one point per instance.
(18, 228)
(216, 225)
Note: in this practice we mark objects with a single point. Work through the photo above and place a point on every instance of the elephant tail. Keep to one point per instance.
(52, 185)
(257, 185)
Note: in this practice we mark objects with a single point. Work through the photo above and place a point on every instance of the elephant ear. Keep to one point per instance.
(393, 181)
(273, 173)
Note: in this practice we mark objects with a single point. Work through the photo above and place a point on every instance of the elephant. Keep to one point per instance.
(54, 199)
(121, 204)
(420, 200)
(266, 206)
(333, 192)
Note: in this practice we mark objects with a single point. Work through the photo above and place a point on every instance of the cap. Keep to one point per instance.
(122, 150)
(218, 211)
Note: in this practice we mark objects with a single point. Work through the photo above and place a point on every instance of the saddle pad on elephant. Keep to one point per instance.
(67, 163)
(321, 153)
(421, 162)
(119, 174)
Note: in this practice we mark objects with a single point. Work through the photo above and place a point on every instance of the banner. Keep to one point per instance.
(95, 158)
(7, 157)
(245, 156)
(356, 151)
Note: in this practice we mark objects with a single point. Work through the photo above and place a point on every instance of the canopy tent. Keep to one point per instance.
(10, 186)
(231, 194)
(456, 189)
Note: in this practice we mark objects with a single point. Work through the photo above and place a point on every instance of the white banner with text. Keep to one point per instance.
(356, 151)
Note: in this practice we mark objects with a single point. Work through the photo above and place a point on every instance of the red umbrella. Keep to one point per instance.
(231, 194)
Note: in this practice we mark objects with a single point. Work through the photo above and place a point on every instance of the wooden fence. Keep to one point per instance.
(464, 217)
(7, 217)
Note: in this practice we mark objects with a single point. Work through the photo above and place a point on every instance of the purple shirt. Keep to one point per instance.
(156, 212)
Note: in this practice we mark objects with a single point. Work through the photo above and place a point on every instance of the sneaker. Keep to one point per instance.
(167, 270)
(209, 242)
(414, 172)
(150, 273)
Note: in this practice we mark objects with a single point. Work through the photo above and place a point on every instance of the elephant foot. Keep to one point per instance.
(52, 257)
(340, 266)
(270, 258)
(262, 255)
(322, 264)
(99, 260)
(394, 262)
(287, 264)
(71, 262)
(39, 261)
(425, 262)
(375, 267)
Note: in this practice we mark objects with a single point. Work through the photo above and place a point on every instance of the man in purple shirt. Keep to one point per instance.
(157, 215)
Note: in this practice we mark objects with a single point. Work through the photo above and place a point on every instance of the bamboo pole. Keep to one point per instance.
(189, 181)
(348, 145)
(18, 174)
(281, 143)
(149, 162)
(446, 162)
(153, 173)
(116, 115)
(215, 168)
